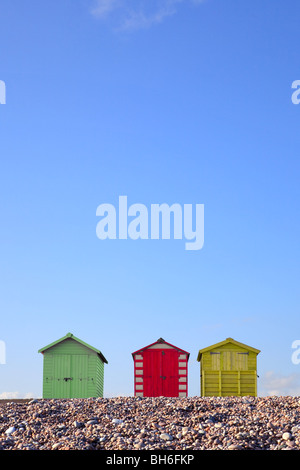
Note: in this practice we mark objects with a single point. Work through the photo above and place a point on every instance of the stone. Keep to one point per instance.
(56, 446)
(139, 445)
(77, 424)
(117, 421)
(10, 430)
(166, 437)
(91, 422)
(235, 447)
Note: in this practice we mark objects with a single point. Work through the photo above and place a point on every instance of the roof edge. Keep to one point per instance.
(160, 341)
(71, 336)
(225, 341)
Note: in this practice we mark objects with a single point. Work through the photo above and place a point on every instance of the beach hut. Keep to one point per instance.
(72, 369)
(228, 368)
(160, 369)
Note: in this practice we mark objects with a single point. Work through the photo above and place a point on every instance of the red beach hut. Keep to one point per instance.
(160, 369)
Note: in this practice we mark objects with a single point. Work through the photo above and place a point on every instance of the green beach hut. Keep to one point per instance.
(72, 369)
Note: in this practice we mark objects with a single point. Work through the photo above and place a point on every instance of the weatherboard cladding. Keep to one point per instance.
(160, 369)
(72, 369)
(228, 368)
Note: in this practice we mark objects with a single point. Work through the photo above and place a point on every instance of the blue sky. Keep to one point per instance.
(184, 102)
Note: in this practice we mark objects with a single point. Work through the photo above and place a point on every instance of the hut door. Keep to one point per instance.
(160, 373)
(70, 376)
(79, 369)
(152, 373)
(170, 373)
(61, 385)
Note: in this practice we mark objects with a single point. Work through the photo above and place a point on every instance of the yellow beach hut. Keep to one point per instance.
(228, 368)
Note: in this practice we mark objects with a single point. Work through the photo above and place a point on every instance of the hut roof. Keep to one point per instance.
(222, 343)
(71, 336)
(162, 341)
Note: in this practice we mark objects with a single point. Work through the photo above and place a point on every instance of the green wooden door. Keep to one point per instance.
(61, 383)
(70, 376)
(79, 374)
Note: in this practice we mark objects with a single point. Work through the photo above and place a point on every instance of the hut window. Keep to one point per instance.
(235, 360)
(215, 360)
(242, 361)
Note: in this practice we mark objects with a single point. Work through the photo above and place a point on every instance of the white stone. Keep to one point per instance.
(166, 437)
(10, 430)
(56, 445)
(77, 424)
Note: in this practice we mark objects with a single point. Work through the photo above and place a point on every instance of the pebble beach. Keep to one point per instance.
(160, 423)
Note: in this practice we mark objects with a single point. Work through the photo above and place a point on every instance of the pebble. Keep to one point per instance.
(166, 437)
(91, 422)
(77, 424)
(185, 431)
(56, 446)
(117, 421)
(131, 423)
(139, 445)
(235, 447)
(10, 430)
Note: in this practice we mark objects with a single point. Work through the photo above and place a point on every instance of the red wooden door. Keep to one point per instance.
(160, 372)
(152, 373)
(170, 373)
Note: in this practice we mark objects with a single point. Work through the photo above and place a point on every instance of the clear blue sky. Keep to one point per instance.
(180, 102)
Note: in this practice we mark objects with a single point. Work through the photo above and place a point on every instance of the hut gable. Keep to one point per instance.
(71, 343)
(160, 344)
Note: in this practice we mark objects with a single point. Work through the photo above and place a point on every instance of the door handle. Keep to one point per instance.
(67, 378)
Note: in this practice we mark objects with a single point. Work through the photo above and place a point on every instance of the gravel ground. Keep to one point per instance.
(129, 423)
